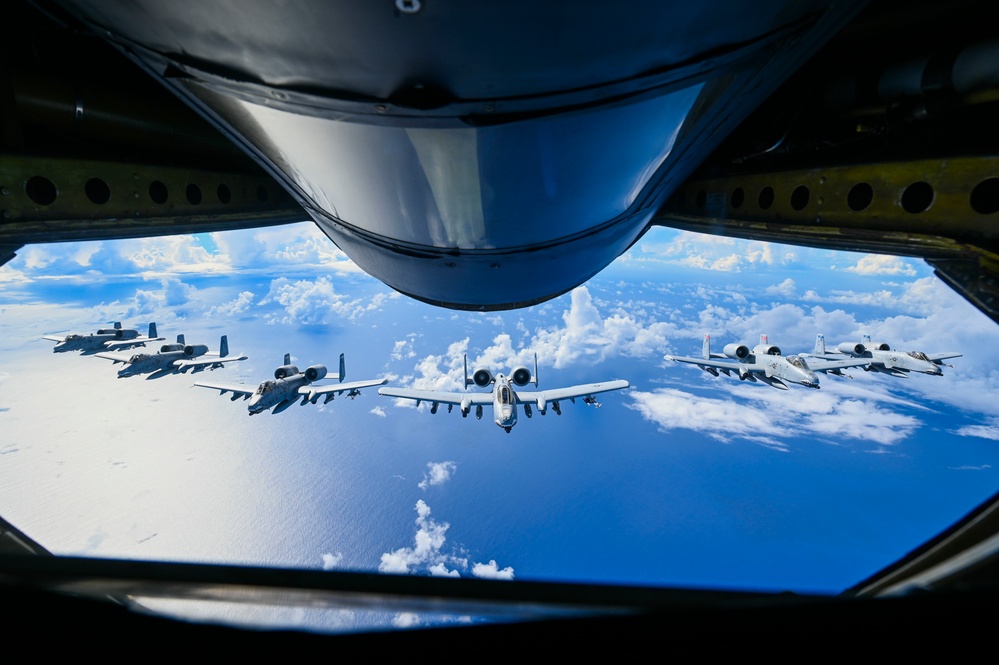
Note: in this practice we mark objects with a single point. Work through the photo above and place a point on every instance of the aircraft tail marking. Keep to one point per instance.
(152, 331)
(820, 345)
(706, 348)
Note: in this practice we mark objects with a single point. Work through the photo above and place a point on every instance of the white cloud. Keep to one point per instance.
(967, 467)
(379, 411)
(426, 551)
(785, 289)
(232, 308)
(440, 473)
(980, 431)
(492, 571)
(331, 561)
(406, 620)
(719, 253)
(770, 417)
(403, 348)
(881, 264)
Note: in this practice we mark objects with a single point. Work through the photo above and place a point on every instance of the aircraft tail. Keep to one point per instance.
(224, 346)
(117, 325)
(763, 339)
(467, 382)
(343, 370)
(866, 340)
(287, 359)
(152, 331)
(180, 339)
(706, 348)
(820, 345)
(535, 370)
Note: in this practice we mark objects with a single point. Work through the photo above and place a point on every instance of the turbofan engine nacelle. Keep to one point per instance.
(852, 349)
(521, 376)
(167, 348)
(315, 372)
(766, 350)
(880, 346)
(482, 377)
(284, 371)
(737, 351)
(192, 350)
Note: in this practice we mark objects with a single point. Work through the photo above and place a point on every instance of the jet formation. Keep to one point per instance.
(765, 362)
(115, 338)
(289, 384)
(504, 397)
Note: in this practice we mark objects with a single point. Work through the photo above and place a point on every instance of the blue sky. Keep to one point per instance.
(685, 479)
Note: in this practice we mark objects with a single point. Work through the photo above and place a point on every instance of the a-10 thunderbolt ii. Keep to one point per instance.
(881, 358)
(105, 339)
(765, 363)
(504, 398)
(289, 384)
(173, 359)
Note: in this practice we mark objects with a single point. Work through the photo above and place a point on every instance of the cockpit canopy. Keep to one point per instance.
(264, 388)
(138, 357)
(918, 355)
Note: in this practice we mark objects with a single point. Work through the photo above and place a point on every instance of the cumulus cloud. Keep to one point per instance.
(719, 253)
(426, 551)
(785, 289)
(234, 307)
(331, 561)
(406, 620)
(379, 411)
(440, 473)
(172, 294)
(882, 264)
(492, 571)
(403, 348)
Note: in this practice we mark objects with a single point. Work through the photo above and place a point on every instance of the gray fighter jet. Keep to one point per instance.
(504, 397)
(105, 339)
(765, 363)
(289, 384)
(173, 359)
(881, 358)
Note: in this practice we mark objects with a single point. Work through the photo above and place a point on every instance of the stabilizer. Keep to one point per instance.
(535, 371)
(706, 348)
(152, 331)
(224, 346)
(343, 369)
(180, 339)
(287, 359)
(820, 345)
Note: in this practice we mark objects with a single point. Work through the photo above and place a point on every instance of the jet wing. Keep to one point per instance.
(439, 397)
(237, 390)
(705, 362)
(541, 397)
(117, 357)
(337, 388)
(55, 338)
(822, 365)
(111, 345)
(934, 357)
(203, 362)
